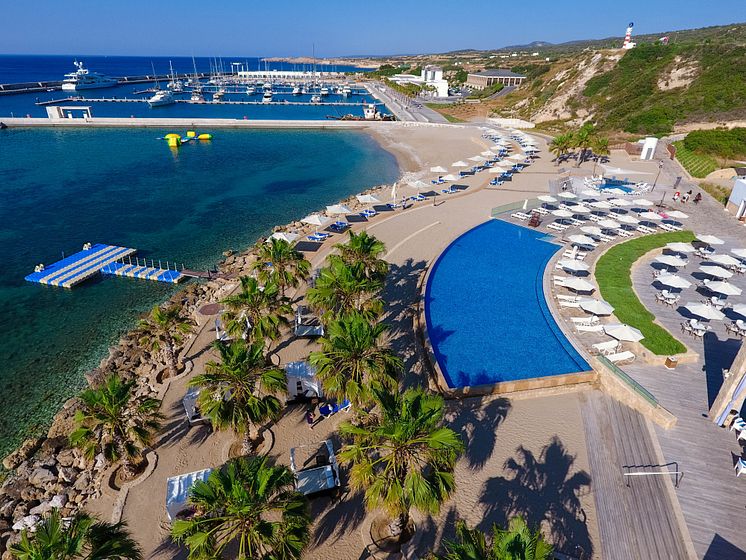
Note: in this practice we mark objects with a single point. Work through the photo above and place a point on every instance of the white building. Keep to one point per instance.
(737, 200)
(431, 76)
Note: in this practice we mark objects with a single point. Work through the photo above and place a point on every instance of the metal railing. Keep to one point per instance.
(634, 385)
(677, 474)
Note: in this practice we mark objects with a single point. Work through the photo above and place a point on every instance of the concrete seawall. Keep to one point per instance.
(186, 122)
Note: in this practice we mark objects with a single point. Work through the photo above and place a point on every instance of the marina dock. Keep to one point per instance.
(76, 99)
(72, 270)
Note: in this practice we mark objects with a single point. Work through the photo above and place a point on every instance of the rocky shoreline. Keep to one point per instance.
(45, 473)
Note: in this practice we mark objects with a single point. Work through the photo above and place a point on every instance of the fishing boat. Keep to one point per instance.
(82, 78)
(161, 98)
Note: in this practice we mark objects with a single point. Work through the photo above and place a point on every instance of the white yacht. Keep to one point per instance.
(346, 90)
(267, 86)
(315, 99)
(267, 97)
(250, 90)
(175, 85)
(324, 90)
(296, 90)
(197, 96)
(162, 97)
(83, 79)
(218, 95)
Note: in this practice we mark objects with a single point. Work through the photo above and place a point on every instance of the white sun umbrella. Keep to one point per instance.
(677, 214)
(680, 247)
(609, 224)
(450, 177)
(705, 311)
(367, 199)
(710, 239)
(725, 260)
(591, 230)
(284, 236)
(671, 260)
(487, 153)
(596, 306)
(716, 271)
(724, 288)
(459, 163)
(562, 213)
(574, 265)
(642, 202)
(477, 158)
(589, 192)
(673, 281)
(316, 220)
(619, 202)
(601, 205)
(339, 209)
(739, 253)
(739, 308)
(546, 198)
(580, 209)
(495, 169)
(438, 169)
(567, 194)
(650, 216)
(578, 284)
(627, 219)
(623, 332)
(516, 157)
(581, 240)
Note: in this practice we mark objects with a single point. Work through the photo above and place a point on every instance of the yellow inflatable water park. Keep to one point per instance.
(175, 140)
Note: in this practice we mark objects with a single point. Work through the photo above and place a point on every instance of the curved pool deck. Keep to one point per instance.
(486, 314)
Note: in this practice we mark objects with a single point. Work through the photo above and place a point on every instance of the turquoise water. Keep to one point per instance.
(486, 315)
(60, 189)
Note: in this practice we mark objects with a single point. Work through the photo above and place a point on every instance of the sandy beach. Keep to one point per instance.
(505, 438)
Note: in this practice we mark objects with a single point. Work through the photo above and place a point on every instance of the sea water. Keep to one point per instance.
(62, 188)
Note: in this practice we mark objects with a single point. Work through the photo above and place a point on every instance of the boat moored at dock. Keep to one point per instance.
(161, 98)
(82, 78)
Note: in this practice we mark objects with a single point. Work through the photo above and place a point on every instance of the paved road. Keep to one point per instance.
(403, 107)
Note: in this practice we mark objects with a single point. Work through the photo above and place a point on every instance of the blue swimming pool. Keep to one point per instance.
(487, 318)
(620, 185)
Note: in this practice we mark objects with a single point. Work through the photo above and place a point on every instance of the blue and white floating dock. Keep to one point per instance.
(130, 270)
(100, 258)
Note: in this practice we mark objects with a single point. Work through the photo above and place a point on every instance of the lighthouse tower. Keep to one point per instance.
(628, 44)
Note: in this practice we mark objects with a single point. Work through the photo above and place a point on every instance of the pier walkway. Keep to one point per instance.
(80, 266)
(143, 272)
(77, 98)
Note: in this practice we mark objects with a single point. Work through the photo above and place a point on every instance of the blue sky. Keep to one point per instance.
(290, 27)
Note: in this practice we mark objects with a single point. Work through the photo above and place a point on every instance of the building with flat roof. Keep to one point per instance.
(737, 200)
(487, 78)
(431, 76)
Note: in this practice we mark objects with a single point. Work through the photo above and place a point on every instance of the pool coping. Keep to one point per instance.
(534, 386)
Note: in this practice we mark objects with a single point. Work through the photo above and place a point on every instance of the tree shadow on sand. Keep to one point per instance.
(542, 489)
(477, 420)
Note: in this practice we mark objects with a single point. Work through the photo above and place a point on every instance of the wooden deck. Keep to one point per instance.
(637, 517)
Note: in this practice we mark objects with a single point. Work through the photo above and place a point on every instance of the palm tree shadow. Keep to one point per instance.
(177, 427)
(169, 548)
(477, 420)
(543, 489)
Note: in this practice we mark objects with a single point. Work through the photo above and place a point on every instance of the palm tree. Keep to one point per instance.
(342, 289)
(600, 148)
(582, 140)
(560, 145)
(403, 457)
(354, 357)
(261, 307)
(114, 422)
(164, 328)
(282, 262)
(238, 392)
(250, 508)
(365, 250)
(518, 542)
(80, 538)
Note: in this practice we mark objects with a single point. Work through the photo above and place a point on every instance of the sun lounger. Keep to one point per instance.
(618, 357)
(339, 226)
(624, 233)
(574, 304)
(449, 190)
(555, 227)
(589, 328)
(542, 211)
(418, 198)
(368, 213)
(563, 297)
(317, 237)
(606, 347)
(576, 222)
(326, 410)
(592, 320)
(520, 216)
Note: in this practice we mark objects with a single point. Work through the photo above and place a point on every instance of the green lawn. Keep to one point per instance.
(615, 284)
(698, 165)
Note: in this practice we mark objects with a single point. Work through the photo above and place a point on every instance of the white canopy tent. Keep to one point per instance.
(338, 209)
(367, 199)
(302, 381)
(284, 236)
(316, 220)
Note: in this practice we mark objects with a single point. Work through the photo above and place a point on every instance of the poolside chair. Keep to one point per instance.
(563, 297)
(369, 213)
(326, 410)
(606, 347)
(418, 198)
(619, 357)
(520, 216)
(317, 237)
(339, 226)
(589, 328)
(592, 320)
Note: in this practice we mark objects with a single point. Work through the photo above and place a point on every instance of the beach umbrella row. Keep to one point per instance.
(673, 281)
